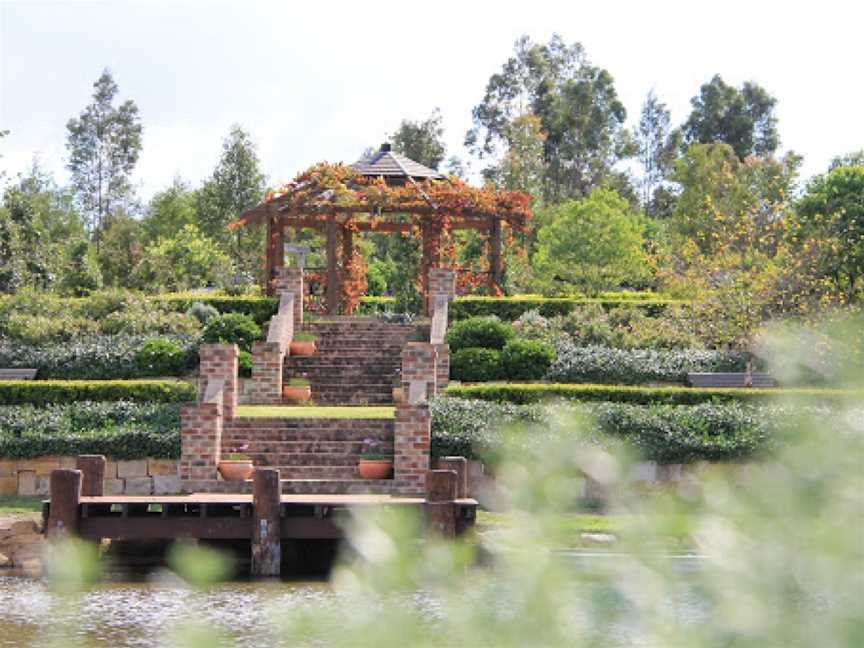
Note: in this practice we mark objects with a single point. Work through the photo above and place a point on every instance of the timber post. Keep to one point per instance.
(460, 466)
(266, 523)
(441, 492)
(92, 469)
(65, 514)
(333, 289)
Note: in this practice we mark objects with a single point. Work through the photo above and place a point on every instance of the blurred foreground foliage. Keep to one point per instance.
(780, 558)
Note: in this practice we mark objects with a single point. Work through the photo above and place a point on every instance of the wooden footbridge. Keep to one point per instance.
(77, 507)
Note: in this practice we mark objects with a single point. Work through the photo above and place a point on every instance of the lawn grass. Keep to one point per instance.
(19, 504)
(578, 522)
(571, 526)
(291, 411)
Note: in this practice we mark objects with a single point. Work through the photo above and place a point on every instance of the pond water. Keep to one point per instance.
(152, 611)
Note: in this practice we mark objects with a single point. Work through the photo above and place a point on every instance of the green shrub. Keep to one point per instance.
(202, 312)
(40, 392)
(260, 309)
(537, 393)
(232, 328)
(100, 305)
(598, 364)
(663, 433)
(475, 364)
(482, 332)
(244, 364)
(47, 329)
(374, 305)
(159, 357)
(121, 430)
(98, 357)
(526, 359)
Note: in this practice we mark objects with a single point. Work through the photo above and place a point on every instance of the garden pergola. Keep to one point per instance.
(384, 193)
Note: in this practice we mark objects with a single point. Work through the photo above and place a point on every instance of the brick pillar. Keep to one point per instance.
(219, 362)
(412, 430)
(412, 433)
(442, 366)
(201, 439)
(418, 367)
(266, 387)
(291, 280)
(442, 281)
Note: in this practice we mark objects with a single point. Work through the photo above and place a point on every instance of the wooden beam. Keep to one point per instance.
(291, 220)
(495, 266)
(347, 253)
(92, 469)
(65, 514)
(266, 523)
(332, 273)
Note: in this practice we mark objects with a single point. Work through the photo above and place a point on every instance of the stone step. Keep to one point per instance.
(292, 460)
(318, 472)
(337, 486)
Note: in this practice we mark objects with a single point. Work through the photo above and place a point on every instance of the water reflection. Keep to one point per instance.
(151, 611)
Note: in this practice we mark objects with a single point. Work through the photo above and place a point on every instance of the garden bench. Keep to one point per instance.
(18, 374)
(729, 380)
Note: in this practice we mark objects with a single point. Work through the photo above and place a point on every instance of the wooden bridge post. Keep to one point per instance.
(441, 489)
(64, 514)
(92, 469)
(460, 466)
(266, 523)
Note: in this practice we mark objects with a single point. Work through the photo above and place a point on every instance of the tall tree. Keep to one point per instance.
(581, 117)
(658, 144)
(590, 245)
(422, 140)
(169, 210)
(833, 206)
(719, 193)
(103, 143)
(3, 133)
(37, 220)
(744, 119)
(237, 183)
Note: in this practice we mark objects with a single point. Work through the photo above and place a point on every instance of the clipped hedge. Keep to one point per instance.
(261, 309)
(38, 392)
(100, 357)
(598, 364)
(524, 394)
(510, 308)
(475, 364)
(662, 433)
(479, 332)
(122, 430)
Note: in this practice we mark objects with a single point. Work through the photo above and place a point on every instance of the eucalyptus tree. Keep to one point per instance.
(742, 118)
(104, 143)
(581, 117)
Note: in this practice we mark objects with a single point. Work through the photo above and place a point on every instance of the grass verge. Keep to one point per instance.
(19, 504)
(290, 411)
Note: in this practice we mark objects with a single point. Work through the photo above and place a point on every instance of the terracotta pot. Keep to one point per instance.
(236, 470)
(296, 394)
(302, 348)
(375, 468)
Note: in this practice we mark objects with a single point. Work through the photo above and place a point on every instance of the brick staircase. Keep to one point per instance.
(356, 360)
(314, 455)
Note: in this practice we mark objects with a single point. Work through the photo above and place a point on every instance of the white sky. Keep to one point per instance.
(321, 81)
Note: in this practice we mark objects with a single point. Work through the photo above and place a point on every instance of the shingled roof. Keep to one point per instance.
(388, 164)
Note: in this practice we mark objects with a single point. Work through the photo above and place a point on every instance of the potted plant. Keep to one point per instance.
(236, 466)
(297, 390)
(376, 459)
(303, 344)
